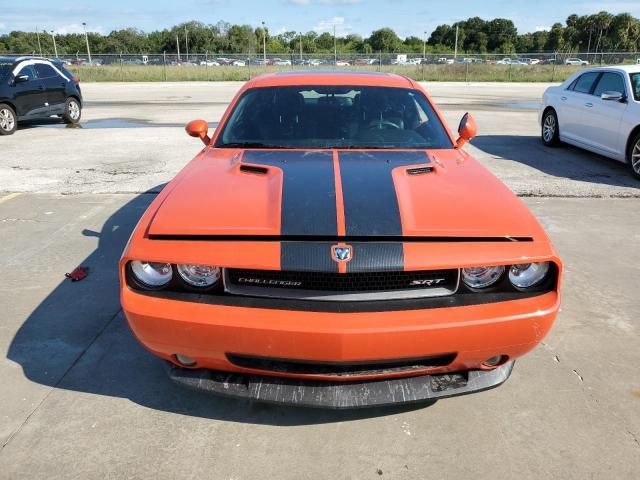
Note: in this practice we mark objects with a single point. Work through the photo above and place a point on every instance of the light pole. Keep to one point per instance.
(264, 43)
(39, 45)
(455, 51)
(55, 48)
(86, 37)
(424, 45)
(178, 46)
(335, 46)
(186, 42)
(300, 47)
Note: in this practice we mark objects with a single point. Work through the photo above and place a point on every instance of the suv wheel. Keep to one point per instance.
(550, 130)
(8, 122)
(633, 156)
(72, 111)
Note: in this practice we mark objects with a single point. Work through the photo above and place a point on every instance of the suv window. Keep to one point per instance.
(609, 82)
(584, 84)
(45, 71)
(28, 70)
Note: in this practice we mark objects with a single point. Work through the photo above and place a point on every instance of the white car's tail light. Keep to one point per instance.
(200, 275)
(528, 274)
(481, 277)
(152, 274)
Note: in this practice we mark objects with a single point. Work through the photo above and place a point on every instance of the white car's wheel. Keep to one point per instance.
(550, 129)
(633, 156)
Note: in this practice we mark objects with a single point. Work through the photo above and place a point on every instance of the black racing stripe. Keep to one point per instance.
(307, 257)
(308, 205)
(376, 257)
(308, 190)
(370, 200)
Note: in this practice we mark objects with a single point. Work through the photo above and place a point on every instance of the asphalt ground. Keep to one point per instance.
(80, 398)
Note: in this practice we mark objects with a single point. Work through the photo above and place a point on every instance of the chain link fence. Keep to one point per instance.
(545, 67)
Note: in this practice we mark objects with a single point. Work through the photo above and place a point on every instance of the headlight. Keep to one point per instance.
(152, 274)
(199, 275)
(528, 274)
(481, 277)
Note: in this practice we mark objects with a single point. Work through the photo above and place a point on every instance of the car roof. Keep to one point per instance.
(24, 58)
(330, 77)
(621, 68)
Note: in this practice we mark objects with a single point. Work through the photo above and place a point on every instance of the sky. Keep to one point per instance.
(406, 17)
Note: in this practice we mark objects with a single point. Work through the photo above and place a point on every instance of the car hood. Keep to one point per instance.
(345, 193)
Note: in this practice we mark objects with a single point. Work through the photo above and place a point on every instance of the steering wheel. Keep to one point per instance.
(382, 125)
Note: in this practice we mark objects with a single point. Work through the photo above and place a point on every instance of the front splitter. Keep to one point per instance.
(340, 395)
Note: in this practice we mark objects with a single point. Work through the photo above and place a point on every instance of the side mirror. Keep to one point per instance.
(198, 128)
(466, 130)
(21, 78)
(612, 96)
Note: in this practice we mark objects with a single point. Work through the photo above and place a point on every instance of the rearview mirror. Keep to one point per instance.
(198, 128)
(466, 130)
(21, 78)
(612, 96)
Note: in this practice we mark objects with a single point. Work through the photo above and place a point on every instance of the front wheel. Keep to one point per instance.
(550, 130)
(72, 111)
(633, 156)
(8, 122)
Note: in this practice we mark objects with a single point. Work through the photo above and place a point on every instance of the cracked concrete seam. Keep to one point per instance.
(60, 380)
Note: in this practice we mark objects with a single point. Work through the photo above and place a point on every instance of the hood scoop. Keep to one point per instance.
(254, 169)
(419, 170)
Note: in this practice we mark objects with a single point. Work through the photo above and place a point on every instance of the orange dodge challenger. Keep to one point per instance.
(332, 245)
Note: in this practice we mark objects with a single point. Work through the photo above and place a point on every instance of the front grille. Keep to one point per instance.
(370, 367)
(341, 286)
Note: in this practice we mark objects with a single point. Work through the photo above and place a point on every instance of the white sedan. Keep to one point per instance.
(597, 109)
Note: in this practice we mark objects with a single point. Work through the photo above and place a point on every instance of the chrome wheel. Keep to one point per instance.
(7, 120)
(549, 128)
(635, 157)
(74, 110)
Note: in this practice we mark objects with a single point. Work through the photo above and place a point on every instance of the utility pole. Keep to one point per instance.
(178, 46)
(335, 46)
(300, 47)
(186, 42)
(264, 43)
(86, 38)
(55, 48)
(39, 46)
(424, 45)
(455, 52)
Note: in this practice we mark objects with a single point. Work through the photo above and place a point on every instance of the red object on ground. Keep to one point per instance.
(78, 274)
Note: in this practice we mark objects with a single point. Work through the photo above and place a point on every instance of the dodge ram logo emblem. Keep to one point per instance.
(341, 253)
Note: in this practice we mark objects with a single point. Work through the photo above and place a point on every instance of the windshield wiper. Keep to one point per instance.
(248, 145)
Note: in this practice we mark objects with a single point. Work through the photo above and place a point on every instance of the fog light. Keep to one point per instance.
(185, 360)
(495, 361)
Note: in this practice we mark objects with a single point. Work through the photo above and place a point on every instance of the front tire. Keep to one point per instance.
(633, 156)
(550, 129)
(72, 111)
(8, 120)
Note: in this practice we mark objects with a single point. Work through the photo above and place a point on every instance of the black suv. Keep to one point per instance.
(35, 88)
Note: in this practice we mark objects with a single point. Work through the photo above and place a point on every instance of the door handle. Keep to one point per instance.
(588, 104)
(41, 87)
(563, 98)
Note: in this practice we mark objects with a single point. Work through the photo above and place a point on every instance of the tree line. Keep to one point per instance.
(602, 32)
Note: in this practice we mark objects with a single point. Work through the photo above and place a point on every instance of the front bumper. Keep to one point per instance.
(341, 395)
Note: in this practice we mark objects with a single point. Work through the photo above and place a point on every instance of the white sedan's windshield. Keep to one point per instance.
(333, 117)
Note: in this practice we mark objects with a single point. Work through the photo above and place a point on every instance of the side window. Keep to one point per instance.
(45, 71)
(609, 82)
(584, 84)
(28, 70)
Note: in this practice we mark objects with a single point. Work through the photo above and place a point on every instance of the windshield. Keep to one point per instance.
(333, 117)
(5, 68)
(635, 85)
